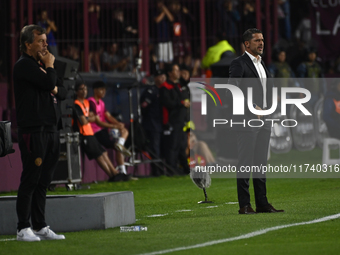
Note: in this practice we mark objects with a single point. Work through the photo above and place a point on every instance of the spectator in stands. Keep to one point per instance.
(73, 53)
(89, 143)
(249, 15)
(214, 53)
(303, 32)
(126, 34)
(154, 66)
(281, 69)
(180, 38)
(105, 122)
(51, 28)
(230, 17)
(112, 61)
(152, 118)
(163, 20)
(331, 110)
(94, 33)
(284, 22)
(194, 65)
(174, 112)
(312, 69)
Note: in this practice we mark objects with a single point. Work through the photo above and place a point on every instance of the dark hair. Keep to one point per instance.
(78, 84)
(118, 10)
(169, 67)
(248, 35)
(98, 84)
(312, 50)
(276, 52)
(27, 35)
(221, 35)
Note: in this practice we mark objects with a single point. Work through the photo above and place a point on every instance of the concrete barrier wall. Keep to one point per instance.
(76, 213)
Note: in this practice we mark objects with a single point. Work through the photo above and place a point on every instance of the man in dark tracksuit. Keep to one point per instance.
(173, 118)
(185, 96)
(152, 118)
(37, 94)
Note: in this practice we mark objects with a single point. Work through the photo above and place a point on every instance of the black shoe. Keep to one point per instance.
(119, 177)
(267, 209)
(246, 210)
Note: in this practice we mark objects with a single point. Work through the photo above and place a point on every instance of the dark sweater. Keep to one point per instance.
(173, 109)
(36, 106)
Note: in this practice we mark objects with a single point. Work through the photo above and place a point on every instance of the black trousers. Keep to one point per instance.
(252, 151)
(39, 156)
(154, 145)
(172, 152)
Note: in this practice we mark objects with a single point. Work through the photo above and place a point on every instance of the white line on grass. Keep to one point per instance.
(214, 206)
(5, 240)
(249, 235)
(157, 215)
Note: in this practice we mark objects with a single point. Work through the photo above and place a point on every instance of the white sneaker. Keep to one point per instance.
(47, 234)
(122, 149)
(27, 235)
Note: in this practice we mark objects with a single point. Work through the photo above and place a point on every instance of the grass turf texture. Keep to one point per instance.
(302, 199)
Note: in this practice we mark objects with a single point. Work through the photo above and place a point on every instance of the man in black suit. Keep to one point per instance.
(247, 71)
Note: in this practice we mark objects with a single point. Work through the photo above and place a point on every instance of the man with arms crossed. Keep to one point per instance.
(252, 142)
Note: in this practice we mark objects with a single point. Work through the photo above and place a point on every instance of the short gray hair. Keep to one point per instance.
(27, 35)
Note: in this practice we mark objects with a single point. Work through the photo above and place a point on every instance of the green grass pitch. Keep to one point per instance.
(182, 222)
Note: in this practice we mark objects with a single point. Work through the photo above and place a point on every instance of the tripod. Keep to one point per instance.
(134, 161)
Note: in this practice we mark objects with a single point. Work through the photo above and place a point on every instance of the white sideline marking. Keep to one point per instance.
(249, 235)
(157, 215)
(183, 210)
(231, 203)
(5, 240)
(213, 206)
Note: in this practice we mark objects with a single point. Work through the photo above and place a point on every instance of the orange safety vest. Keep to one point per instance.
(337, 105)
(85, 107)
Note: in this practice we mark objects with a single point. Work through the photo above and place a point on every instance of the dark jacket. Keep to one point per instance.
(172, 104)
(331, 112)
(243, 74)
(151, 109)
(36, 106)
(185, 95)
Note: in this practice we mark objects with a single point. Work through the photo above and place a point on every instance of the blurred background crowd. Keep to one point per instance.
(120, 42)
(108, 36)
